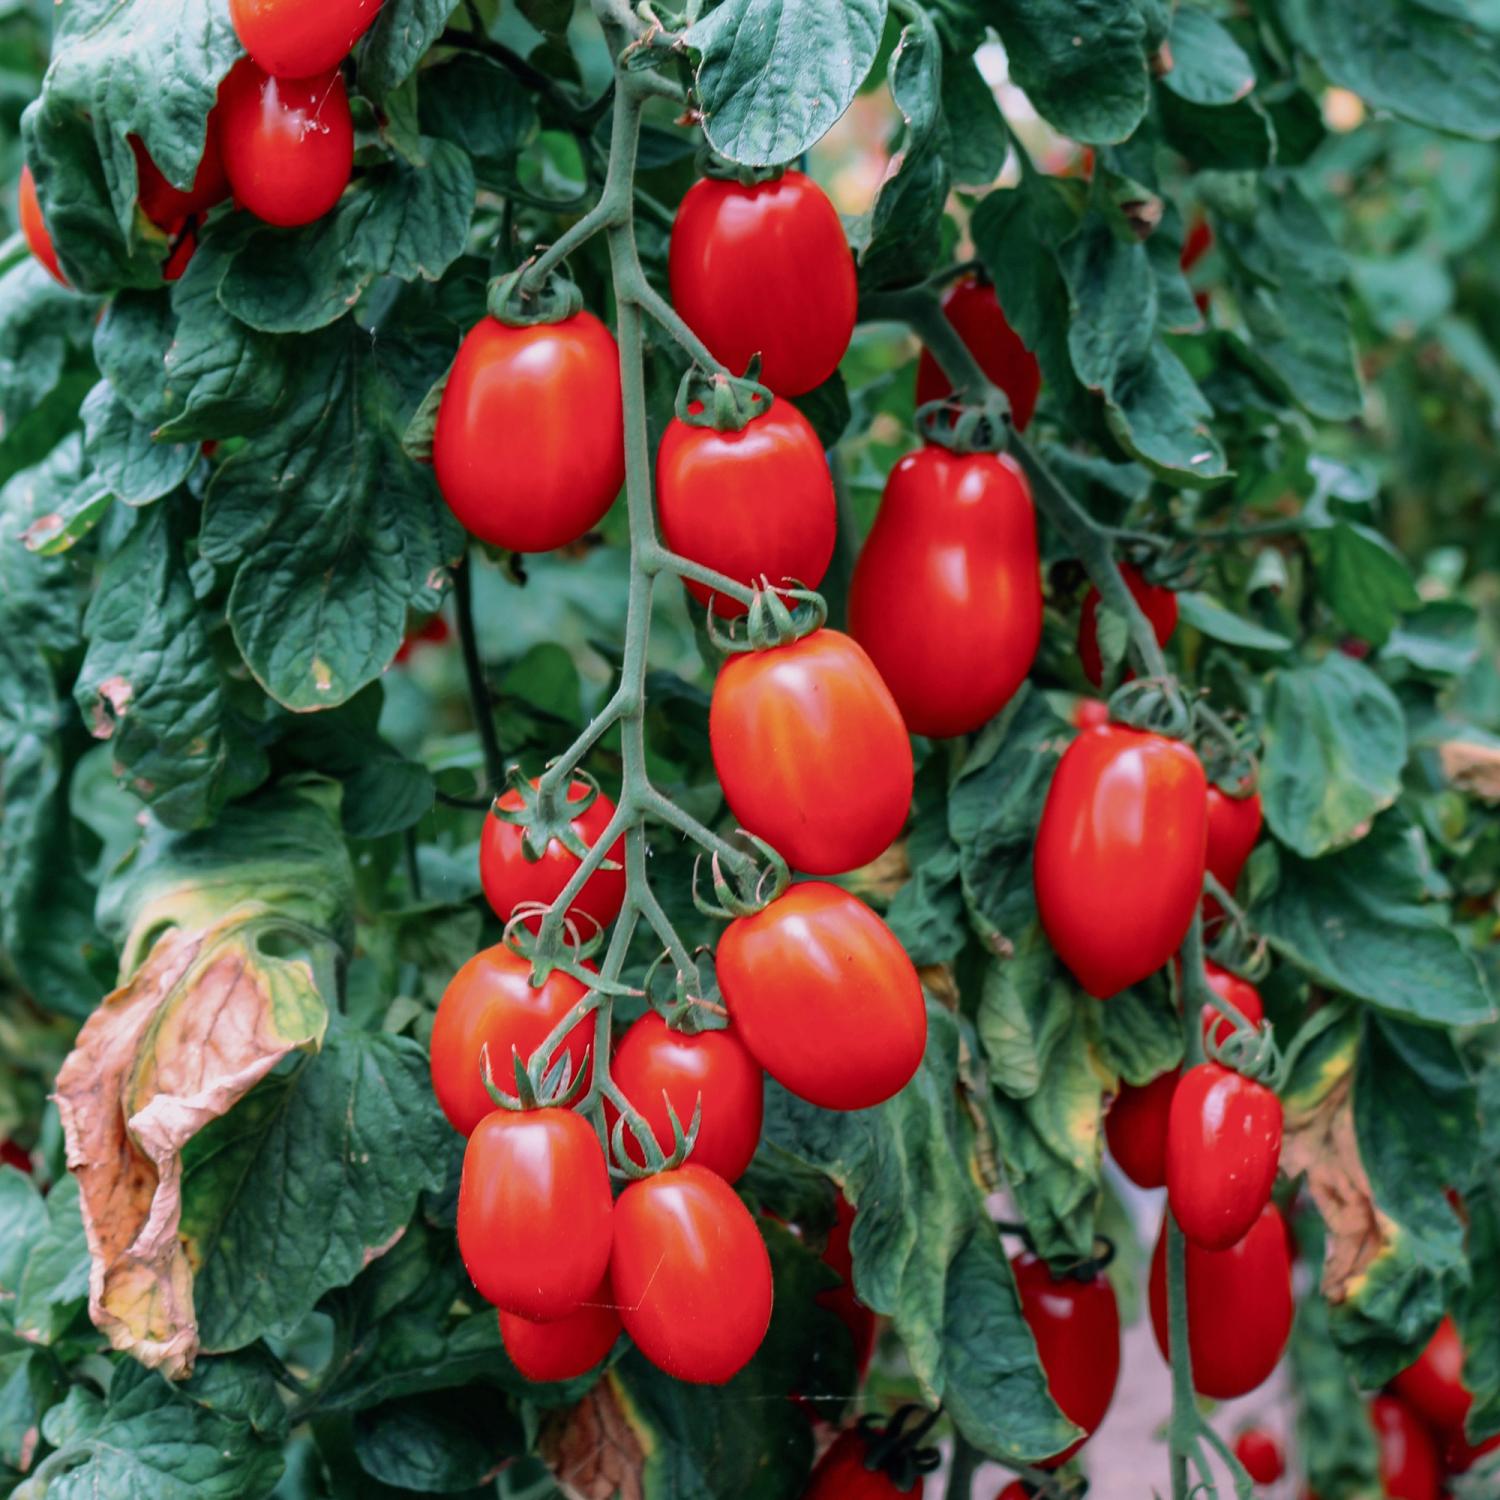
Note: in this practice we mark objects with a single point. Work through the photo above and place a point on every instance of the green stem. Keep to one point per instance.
(480, 704)
(966, 1461)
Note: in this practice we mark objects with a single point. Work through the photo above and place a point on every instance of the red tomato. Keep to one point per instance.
(557, 385)
(567, 1348)
(288, 143)
(1235, 991)
(1076, 1325)
(296, 38)
(1119, 855)
(1459, 1457)
(1239, 1305)
(752, 504)
(1016, 1490)
(812, 752)
(1223, 1149)
(1434, 1382)
(182, 252)
(34, 227)
(1199, 241)
(765, 270)
(1233, 827)
(1136, 1129)
(510, 879)
(1260, 1455)
(825, 997)
(490, 1001)
(947, 592)
(1159, 605)
(433, 631)
(860, 1320)
(1410, 1468)
(841, 1474)
(691, 1274)
(1090, 713)
(168, 207)
(972, 307)
(653, 1063)
(13, 1155)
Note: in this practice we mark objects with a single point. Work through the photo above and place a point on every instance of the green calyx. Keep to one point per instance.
(547, 812)
(654, 1159)
(537, 1085)
(770, 622)
(897, 1453)
(1154, 705)
(725, 403)
(711, 164)
(744, 896)
(512, 301)
(962, 426)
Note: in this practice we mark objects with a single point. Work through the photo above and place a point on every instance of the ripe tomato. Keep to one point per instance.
(34, 227)
(1159, 605)
(1260, 1455)
(558, 384)
(490, 1001)
(1233, 827)
(1119, 855)
(765, 270)
(1410, 1468)
(1239, 1305)
(1016, 1490)
(168, 207)
(1197, 243)
(1434, 1382)
(534, 1212)
(1090, 713)
(812, 752)
(754, 503)
(296, 38)
(825, 997)
(1076, 1325)
(947, 592)
(841, 1474)
(288, 143)
(653, 1063)
(861, 1321)
(1459, 1457)
(16, 1156)
(972, 307)
(1237, 992)
(691, 1274)
(1136, 1129)
(567, 1348)
(510, 879)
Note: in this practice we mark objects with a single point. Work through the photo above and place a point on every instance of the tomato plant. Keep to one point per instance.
(973, 309)
(1158, 604)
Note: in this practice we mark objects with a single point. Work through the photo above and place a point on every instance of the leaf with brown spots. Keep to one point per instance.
(593, 1451)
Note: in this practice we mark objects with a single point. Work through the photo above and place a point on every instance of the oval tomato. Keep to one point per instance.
(1159, 605)
(767, 270)
(812, 751)
(973, 309)
(1136, 1129)
(861, 1321)
(556, 387)
(1076, 1325)
(824, 997)
(1235, 991)
(296, 38)
(1239, 1305)
(753, 504)
(510, 879)
(1434, 1382)
(691, 1274)
(568, 1347)
(947, 592)
(841, 1474)
(168, 207)
(1260, 1455)
(534, 1212)
(288, 143)
(1119, 855)
(490, 1001)
(1223, 1149)
(1090, 713)
(1233, 827)
(654, 1064)
(1410, 1468)
(34, 227)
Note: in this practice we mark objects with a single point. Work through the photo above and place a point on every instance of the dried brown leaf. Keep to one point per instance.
(593, 1451)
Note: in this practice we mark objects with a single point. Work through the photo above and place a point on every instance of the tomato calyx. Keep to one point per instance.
(770, 622)
(1101, 1254)
(548, 811)
(962, 425)
(711, 164)
(687, 1011)
(653, 1160)
(1228, 750)
(892, 1450)
(1154, 705)
(744, 898)
(538, 1085)
(511, 300)
(720, 401)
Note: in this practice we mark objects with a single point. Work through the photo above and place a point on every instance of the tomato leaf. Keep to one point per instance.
(1208, 65)
(55, 1280)
(1220, 624)
(136, 468)
(392, 48)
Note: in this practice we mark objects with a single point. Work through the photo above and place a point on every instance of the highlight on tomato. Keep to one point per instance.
(1119, 855)
(1259, 1455)
(287, 143)
(170, 207)
(824, 996)
(1136, 1129)
(812, 751)
(34, 227)
(1233, 990)
(946, 594)
(1157, 603)
(559, 385)
(1233, 826)
(567, 1347)
(691, 1274)
(1411, 1467)
(765, 269)
(973, 309)
(297, 38)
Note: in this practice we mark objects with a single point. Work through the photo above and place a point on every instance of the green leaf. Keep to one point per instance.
(437, 1443)
(126, 457)
(1476, 1322)
(1335, 743)
(976, 139)
(1139, 1033)
(1209, 616)
(23, 1220)
(1208, 66)
(394, 45)
(1438, 640)
(827, 407)
(42, 328)
(477, 104)
(1365, 579)
(55, 1280)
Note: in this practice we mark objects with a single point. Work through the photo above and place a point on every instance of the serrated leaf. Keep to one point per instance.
(395, 44)
(136, 468)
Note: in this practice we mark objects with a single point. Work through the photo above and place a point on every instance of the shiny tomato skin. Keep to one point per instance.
(568, 1347)
(288, 143)
(510, 879)
(972, 307)
(558, 384)
(947, 591)
(1090, 713)
(297, 38)
(652, 1060)
(1076, 1325)
(841, 1474)
(691, 1274)
(1119, 855)
(1434, 1382)
(168, 207)
(34, 227)
(1239, 1304)
(1260, 1455)
(1136, 1129)
(1233, 827)
(765, 270)
(1159, 605)
(812, 751)
(861, 1321)
(534, 1212)
(1237, 992)
(1410, 1466)
(753, 504)
(824, 997)
(490, 1001)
